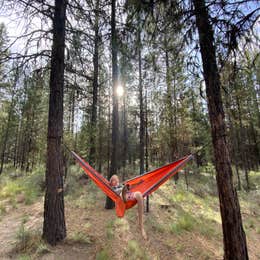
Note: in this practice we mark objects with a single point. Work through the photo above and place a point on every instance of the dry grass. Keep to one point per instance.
(180, 225)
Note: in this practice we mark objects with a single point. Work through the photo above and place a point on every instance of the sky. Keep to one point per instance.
(19, 25)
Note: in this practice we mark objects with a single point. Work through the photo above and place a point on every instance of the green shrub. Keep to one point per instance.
(37, 178)
(103, 255)
(151, 221)
(2, 209)
(28, 187)
(29, 242)
(205, 228)
(11, 189)
(134, 251)
(110, 229)
(73, 185)
(249, 223)
(258, 229)
(42, 249)
(81, 237)
(24, 257)
(184, 223)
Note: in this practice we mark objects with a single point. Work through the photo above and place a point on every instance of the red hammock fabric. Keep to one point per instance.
(146, 183)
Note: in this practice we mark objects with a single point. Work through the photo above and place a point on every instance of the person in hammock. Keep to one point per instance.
(127, 195)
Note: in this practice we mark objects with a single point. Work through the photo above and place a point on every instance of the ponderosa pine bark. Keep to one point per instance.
(235, 246)
(113, 166)
(92, 151)
(54, 228)
(141, 106)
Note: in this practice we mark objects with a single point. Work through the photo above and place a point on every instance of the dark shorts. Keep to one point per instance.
(130, 195)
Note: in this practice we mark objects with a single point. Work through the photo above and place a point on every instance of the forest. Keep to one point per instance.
(130, 86)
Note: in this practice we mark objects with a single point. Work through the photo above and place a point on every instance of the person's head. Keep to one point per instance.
(114, 180)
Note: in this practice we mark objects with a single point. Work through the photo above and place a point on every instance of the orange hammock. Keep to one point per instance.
(146, 183)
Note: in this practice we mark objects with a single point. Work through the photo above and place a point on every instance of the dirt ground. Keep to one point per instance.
(107, 237)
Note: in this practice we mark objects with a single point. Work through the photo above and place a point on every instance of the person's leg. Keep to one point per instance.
(138, 196)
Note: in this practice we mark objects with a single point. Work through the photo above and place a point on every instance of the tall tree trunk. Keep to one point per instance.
(125, 136)
(141, 106)
(238, 177)
(73, 97)
(31, 119)
(256, 152)
(92, 151)
(5, 137)
(243, 152)
(146, 144)
(100, 157)
(113, 166)
(235, 246)
(54, 228)
(19, 134)
(234, 139)
(25, 144)
(171, 111)
(16, 145)
(109, 127)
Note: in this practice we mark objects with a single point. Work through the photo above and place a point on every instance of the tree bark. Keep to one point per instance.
(73, 97)
(125, 137)
(92, 151)
(113, 166)
(146, 144)
(171, 111)
(16, 145)
(54, 228)
(141, 106)
(235, 246)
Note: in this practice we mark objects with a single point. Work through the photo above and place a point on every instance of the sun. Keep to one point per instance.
(119, 91)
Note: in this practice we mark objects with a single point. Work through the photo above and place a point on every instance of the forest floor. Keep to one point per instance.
(181, 224)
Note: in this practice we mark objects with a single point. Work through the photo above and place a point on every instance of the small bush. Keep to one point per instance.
(81, 237)
(258, 229)
(254, 180)
(73, 186)
(102, 255)
(42, 249)
(37, 178)
(24, 257)
(206, 229)
(184, 223)
(249, 224)
(11, 189)
(23, 188)
(2, 209)
(121, 224)
(134, 251)
(110, 229)
(24, 239)
(180, 247)
(180, 196)
(151, 221)
(29, 242)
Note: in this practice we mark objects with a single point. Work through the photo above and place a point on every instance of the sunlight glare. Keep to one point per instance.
(119, 91)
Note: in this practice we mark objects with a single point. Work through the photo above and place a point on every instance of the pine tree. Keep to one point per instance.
(54, 229)
(235, 246)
